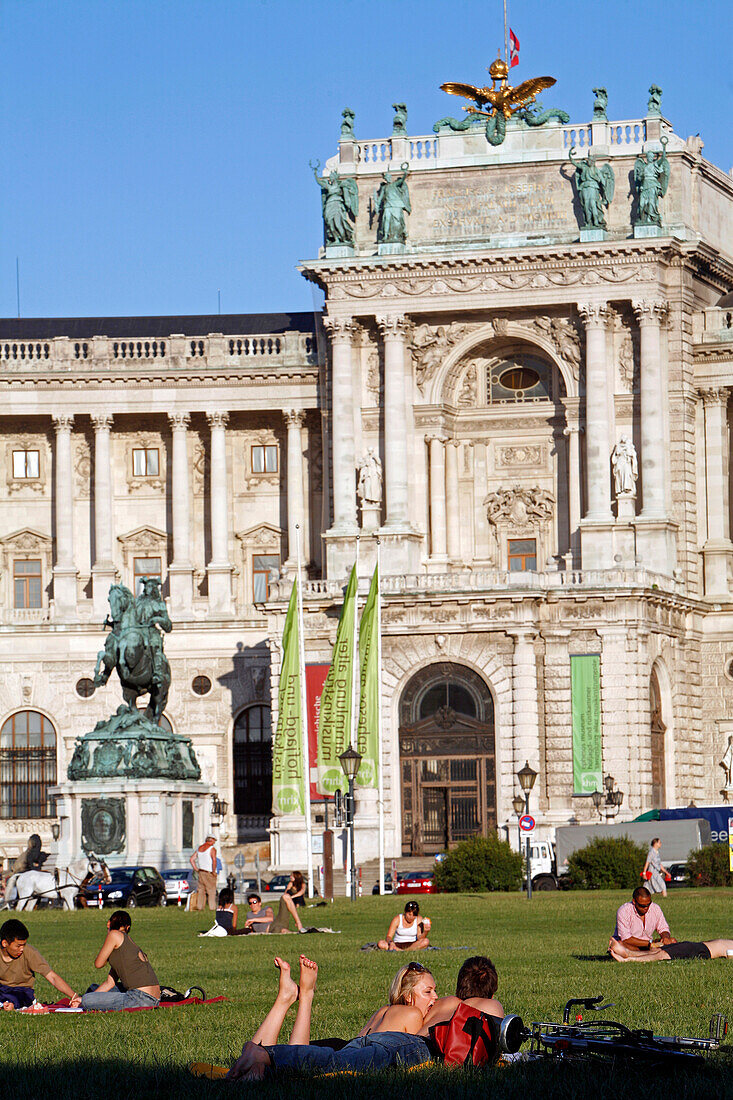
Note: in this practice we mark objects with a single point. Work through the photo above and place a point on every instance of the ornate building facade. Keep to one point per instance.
(549, 404)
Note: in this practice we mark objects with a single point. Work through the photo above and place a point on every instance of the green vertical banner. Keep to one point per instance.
(367, 732)
(585, 697)
(288, 794)
(334, 722)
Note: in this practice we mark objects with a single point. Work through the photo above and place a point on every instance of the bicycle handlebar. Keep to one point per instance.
(591, 1003)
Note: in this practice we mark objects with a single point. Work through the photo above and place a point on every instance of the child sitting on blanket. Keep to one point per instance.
(19, 965)
(128, 968)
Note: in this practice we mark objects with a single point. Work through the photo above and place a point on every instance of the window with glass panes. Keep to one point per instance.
(145, 567)
(262, 565)
(26, 464)
(264, 459)
(522, 555)
(27, 584)
(27, 765)
(145, 462)
(253, 761)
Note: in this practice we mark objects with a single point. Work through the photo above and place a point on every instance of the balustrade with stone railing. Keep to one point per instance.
(101, 352)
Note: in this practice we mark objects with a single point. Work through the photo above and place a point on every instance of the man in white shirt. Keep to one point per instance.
(204, 861)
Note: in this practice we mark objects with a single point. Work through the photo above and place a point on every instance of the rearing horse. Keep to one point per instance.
(130, 649)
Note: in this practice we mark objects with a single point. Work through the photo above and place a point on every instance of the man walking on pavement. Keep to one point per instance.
(204, 861)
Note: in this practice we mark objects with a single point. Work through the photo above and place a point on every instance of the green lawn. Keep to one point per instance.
(544, 951)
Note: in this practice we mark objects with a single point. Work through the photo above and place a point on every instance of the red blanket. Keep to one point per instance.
(64, 1003)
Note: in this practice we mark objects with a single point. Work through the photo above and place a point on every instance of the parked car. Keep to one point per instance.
(417, 882)
(130, 887)
(277, 884)
(177, 886)
(678, 872)
(389, 883)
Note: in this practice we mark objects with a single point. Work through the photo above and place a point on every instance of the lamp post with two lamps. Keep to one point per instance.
(350, 761)
(526, 777)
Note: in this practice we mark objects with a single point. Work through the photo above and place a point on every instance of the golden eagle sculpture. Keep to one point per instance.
(501, 100)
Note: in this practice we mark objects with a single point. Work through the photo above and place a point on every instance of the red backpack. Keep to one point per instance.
(469, 1038)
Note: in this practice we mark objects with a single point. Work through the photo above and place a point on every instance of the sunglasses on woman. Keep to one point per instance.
(416, 966)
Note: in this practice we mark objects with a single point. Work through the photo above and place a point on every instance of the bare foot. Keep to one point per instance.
(308, 975)
(251, 1065)
(618, 951)
(287, 990)
(8, 1006)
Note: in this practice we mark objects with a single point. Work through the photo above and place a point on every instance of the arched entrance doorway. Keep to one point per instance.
(658, 732)
(447, 758)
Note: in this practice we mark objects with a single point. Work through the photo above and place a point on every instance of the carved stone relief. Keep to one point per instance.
(430, 345)
(83, 469)
(468, 393)
(522, 455)
(198, 471)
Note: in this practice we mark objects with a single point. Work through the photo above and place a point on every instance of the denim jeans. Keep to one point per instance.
(114, 999)
(386, 1048)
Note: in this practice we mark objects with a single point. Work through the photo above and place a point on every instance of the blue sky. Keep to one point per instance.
(156, 152)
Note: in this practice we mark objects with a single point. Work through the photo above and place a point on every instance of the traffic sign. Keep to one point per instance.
(527, 823)
(239, 861)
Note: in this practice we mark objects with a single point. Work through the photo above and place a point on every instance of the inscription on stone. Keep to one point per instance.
(514, 205)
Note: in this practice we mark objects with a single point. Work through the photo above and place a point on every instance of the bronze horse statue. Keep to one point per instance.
(134, 647)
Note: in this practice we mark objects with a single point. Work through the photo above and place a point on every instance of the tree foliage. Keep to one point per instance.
(607, 864)
(482, 863)
(710, 866)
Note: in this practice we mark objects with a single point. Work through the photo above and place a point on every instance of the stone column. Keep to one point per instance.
(219, 569)
(295, 419)
(453, 503)
(342, 426)
(394, 330)
(104, 573)
(438, 545)
(653, 464)
(526, 709)
(64, 570)
(180, 571)
(718, 547)
(572, 434)
(597, 413)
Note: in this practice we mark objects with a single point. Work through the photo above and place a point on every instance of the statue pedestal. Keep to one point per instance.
(132, 821)
(625, 506)
(641, 231)
(338, 251)
(592, 235)
(371, 515)
(391, 249)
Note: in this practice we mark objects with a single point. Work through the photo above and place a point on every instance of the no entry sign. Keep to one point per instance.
(527, 823)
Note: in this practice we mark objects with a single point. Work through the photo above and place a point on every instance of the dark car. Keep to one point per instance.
(129, 887)
(679, 875)
(416, 882)
(277, 884)
(389, 885)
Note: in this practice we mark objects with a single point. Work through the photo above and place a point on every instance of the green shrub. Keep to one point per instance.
(607, 864)
(479, 864)
(710, 866)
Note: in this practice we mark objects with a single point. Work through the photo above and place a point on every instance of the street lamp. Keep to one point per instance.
(518, 807)
(350, 760)
(219, 810)
(611, 802)
(55, 830)
(597, 800)
(526, 777)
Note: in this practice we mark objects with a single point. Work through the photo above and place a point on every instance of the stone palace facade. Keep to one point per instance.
(550, 406)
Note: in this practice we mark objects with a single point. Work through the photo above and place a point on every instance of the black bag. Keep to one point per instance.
(170, 996)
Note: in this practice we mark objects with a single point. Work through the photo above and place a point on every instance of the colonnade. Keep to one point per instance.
(181, 569)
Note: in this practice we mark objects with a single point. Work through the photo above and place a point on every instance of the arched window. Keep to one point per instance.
(253, 763)
(27, 765)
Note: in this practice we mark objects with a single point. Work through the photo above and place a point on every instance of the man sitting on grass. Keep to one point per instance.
(19, 964)
(258, 919)
(639, 920)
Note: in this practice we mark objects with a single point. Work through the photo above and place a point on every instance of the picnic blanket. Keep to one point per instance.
(63, 1006)
(432, 947)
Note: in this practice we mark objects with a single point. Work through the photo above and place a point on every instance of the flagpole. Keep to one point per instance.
(353, 738)
(380, 778)
(506, 38)
(304, 724)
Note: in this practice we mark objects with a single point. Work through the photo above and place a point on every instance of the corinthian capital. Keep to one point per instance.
(102, 421)
(714, 396)
(63, 422)
(179, 421)
(393, 327)
(594, 314)
(340, 328)
(650, 311)
(294, 418)
(217, 419)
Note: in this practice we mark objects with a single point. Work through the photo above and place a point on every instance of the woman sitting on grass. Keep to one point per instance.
(128, 968)
(226, 914)
(406, 932)
(296, 888)
(388, 1038)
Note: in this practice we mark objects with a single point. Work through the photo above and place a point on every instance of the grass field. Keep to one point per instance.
(544, 951)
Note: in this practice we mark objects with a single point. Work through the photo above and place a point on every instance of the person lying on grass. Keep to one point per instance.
(20, 962)
(393, 1035)
(131, 982)
(684, 949)
(406, 931)
(388, 1038)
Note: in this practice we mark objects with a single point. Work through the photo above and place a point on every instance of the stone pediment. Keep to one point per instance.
(263, 536)
(25, 542)
(143, 540)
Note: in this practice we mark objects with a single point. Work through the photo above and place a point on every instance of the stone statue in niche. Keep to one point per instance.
(625, 467)
(369, 489)
(727, 764)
